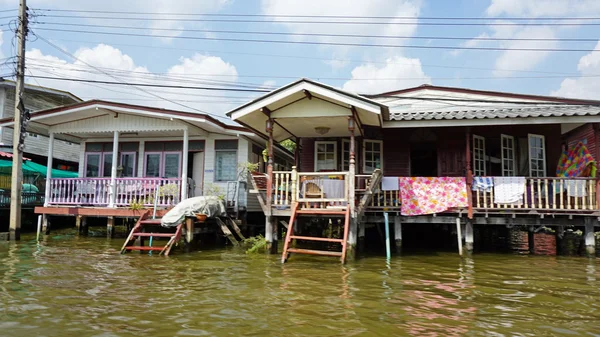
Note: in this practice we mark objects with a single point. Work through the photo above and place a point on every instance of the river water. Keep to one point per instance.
(81, 286)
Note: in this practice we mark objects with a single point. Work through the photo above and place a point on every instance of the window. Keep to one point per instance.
(153, 164)
(325, 156)
(32, 135)
(163, 164)
(479, 156)
(226, 160)
(92, 166)
(537, 156)
(98, 158)
(372, 155)
(128, 164)
(508, 156)
(345, 164)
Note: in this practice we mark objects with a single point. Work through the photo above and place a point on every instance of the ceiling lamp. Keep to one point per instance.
(322, 130)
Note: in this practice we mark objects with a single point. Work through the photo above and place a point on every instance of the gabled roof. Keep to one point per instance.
(41, 89)
(500, 94)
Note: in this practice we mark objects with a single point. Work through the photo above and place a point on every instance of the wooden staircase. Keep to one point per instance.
(144, 229)
(322, 212)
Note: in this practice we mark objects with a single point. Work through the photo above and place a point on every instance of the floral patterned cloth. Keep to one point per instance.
(429, 195)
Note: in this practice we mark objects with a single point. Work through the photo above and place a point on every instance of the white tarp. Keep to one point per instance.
(211, 206)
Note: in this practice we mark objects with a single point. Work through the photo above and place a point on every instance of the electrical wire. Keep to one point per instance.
(323, 43)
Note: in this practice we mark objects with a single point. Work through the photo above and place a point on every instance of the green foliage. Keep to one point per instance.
(214, 190)
(289, 145)
(168, 190)
(256, 243)
(136, 205)
(245, 168)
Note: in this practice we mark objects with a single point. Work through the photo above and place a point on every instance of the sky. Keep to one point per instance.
(169, 52)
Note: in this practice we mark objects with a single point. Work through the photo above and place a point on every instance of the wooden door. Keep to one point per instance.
(451, 158)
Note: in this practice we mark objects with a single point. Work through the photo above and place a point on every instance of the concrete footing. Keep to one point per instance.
(271, 234)
(469, 237)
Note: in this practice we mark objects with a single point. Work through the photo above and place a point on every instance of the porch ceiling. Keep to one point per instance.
(300, 107)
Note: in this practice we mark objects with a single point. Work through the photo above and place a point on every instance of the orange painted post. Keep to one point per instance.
(469, 176)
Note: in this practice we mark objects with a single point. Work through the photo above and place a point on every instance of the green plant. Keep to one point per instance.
(256, 243)
(245, 168)
(289, 145)
(214, 190)
(168, 190)
(136, 205)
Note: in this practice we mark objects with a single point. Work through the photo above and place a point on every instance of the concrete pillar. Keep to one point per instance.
(590, 239)
(361, 236)
(46, 224)
(352, 240)
(531, 240)
(271, 234)
(469, 240)
(110, 224)
(398, 234)
(47, 193)
(560, 234)
(184, 166)
(113, 171)
(84, 226)
(78, 224)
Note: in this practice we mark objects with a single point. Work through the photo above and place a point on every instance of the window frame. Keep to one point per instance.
(316, 149)
(146, 154)
(364, 154)
(477, 150)
(164, 163)
(513, 160)
(346, 147)
(216, 168)
(531, 136)
(130, 153)
(100, 163)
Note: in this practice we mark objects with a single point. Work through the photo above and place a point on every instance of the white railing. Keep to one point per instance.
(547, 194)
(283, 190)
(322, 189)
(97, 191)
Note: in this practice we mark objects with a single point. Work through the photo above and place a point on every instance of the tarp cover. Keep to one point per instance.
(211, 206)
(31, 168)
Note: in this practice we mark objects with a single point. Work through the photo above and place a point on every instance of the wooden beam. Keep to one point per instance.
(266, 111)
(307, 94)
(92, 211)
(357, 118)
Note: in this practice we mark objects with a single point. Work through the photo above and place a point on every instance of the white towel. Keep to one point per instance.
(390, 184)
(576, 188)
(509, 190)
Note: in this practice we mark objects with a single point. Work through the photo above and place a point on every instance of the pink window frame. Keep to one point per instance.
(132, 153)
(161, 168)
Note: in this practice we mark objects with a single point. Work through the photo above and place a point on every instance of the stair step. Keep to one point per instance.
(318, 211)
(156, 235)
(313, 238)
(314, 252)
(150, 222)
(144, 248)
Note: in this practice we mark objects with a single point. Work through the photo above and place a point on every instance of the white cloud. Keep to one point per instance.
(583, 87)
(524, 60)
(401, 8)
(398, 72)
(538, 8)
(199, 70)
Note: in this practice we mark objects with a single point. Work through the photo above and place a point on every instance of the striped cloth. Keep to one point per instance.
(483, 184)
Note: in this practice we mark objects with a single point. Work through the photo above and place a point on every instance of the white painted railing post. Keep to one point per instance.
(184, 168)
(113, 172)
(48, 193)
(294, 187)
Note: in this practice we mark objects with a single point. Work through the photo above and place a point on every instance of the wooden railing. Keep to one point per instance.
(381, 199)
(284, 188)
(322, 189)
(547, 194)
(97, 191)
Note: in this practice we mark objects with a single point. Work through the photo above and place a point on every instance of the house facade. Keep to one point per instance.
(37, 98)
(146, 156)
(394, 157)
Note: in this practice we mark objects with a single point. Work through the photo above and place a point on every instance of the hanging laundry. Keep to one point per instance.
(389, 184)
(577, 162)
(429, 195)
(576, 188)
(483, 184)
(509, 190)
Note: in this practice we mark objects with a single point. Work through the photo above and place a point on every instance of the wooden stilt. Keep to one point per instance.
(398, 234)
(352, 240)
(361, 235)
(84, 226)
(189, 230)
(469, 240)
(46, 224)
(78, 224)
(110, 224)
(531, 240)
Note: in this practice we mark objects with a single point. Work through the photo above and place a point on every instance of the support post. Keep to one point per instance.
(39, 228)
(294, 187)
(48, 191)
(113, 171)
(84, 226)
(110, 224)
(590, 239)
(531, 240)
(560, 234)
(353, 233)
(17, 169)
(361, 235)
(271, 234)
(388, 251)
(78, 224)
(398, 234)
(46, 224)
(184, 168)
(469, 173)
(469, 237)
(269, 129)
(189, 232)
(459, 236)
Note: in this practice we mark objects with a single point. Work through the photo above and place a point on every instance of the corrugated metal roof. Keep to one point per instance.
(516, 112)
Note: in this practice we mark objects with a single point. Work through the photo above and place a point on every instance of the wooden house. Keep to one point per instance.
(367, 158)
(145, 156)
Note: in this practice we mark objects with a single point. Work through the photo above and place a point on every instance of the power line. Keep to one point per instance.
(415, 21)
(579, 102)
(322, 34)
(128, 84)
(312, 16)
(314, 58)
(323, 43)
(9, 10)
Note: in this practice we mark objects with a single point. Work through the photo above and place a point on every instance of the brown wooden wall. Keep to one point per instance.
(588, 134)
(450, 146)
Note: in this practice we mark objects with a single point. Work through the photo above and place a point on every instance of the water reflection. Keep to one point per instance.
(69, 286)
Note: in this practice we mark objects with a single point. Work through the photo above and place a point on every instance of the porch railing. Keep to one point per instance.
(97, 191)
(547, 194)
(323, 189)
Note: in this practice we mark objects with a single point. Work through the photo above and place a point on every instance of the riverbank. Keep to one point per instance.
(70, 285)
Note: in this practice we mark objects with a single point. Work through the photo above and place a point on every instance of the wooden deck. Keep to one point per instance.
(92, 211)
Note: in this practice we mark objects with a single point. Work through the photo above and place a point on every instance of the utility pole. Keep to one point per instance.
(18, 136)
